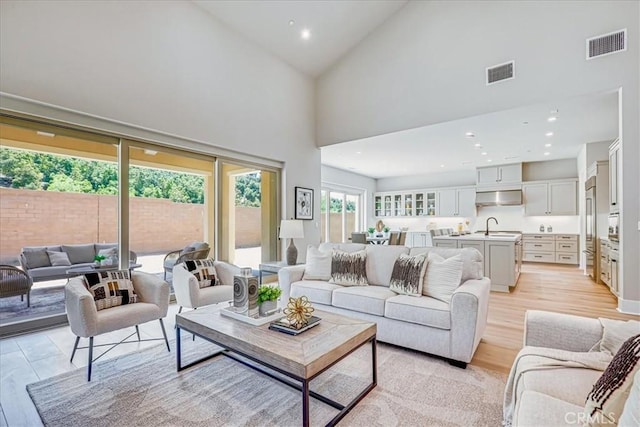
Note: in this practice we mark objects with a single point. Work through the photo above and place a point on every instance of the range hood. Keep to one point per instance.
(499, 198)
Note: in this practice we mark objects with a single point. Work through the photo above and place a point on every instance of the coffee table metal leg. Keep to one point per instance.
(178, 349)
(305, 403)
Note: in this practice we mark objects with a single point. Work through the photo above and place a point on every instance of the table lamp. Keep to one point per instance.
(291, 229)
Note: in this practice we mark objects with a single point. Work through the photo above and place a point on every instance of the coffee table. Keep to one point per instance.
(302, 357)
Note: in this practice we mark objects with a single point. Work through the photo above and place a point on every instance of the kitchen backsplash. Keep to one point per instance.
(509, 218)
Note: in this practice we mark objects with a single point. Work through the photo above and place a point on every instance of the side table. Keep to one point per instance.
(272, 267)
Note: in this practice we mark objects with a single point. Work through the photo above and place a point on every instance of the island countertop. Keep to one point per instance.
(500, 237)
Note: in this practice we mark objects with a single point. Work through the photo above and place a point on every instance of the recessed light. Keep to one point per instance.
(552, 119)
(305, 34)
(470, 135)
(548, 134)
(477, 145)
(489, 160)
(48, 134)
(441, 166)
(546, 153)
(484, 153)
(358, 152)
(525, 123)
(547, 145)
(291, 23)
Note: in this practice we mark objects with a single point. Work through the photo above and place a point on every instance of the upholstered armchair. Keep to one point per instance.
(87, 321)
(196, 250)
(189, 294)
(14, 282)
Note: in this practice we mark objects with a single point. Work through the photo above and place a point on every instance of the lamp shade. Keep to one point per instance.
(291, 229)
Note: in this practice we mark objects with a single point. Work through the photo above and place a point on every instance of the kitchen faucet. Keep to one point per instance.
(486, 233)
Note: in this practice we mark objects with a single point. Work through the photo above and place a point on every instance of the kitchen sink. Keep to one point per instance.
(501, 235)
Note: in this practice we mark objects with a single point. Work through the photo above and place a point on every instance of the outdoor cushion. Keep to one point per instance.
(365, 299)
(197, 246)
(318, 291)
(55, 272)
(36, 258)
(101, 246)
(80, 253)
(58, 258)
(422, 311)
(380, 262)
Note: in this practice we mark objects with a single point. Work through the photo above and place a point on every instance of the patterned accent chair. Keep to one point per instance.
(196, 250)
(189, 293)
(87, 321)
(14, 282)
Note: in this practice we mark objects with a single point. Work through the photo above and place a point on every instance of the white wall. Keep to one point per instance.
(551, 169)
(166, 66)
(426, 65)
(431, 180)
(342, 178)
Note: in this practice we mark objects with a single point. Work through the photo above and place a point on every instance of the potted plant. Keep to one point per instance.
(372, 231)
(386, 230)
(268, 298)
(99, 259)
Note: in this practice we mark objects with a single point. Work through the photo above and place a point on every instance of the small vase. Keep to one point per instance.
(267, 307)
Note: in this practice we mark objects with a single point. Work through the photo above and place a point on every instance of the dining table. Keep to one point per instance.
(377, 240)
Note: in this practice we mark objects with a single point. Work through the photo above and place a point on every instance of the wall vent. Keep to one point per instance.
(500, 72)
(607, 44)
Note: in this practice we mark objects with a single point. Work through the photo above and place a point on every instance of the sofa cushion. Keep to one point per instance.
(36, 258)
(442, 277)
(536, 409)
(615, 333)
(80, 253)
(318, 264)
(365, 299)
(349, 269)
(408, 275)
(380, 262)
(347, 247)
(318, 291)
(569, 384)
(472, 261)
(422, 311)
(58, 271)
(606, 400)
(58, 258)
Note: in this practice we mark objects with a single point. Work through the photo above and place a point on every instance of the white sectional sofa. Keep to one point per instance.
(452, 331)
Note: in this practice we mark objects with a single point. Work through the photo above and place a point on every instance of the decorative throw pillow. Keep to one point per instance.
(349, 269)
(616, 332)
(36, 258)
(442, 277)
(111, 288)
(318, 265)
(607, 398)
(204, 270)
(110, 256)
(58, 258)
(408, 275)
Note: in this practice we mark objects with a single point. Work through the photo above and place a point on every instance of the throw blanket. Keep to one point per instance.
(540, 358)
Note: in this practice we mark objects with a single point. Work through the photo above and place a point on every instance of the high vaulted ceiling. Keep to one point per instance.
(335, 26)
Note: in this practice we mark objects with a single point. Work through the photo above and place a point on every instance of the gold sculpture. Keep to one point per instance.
(298, 311)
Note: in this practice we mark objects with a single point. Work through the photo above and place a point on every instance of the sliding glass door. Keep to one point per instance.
(341, 214)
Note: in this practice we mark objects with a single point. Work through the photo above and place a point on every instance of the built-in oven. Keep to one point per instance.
(614, 226)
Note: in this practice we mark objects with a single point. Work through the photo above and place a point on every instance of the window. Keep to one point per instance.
(341, 213)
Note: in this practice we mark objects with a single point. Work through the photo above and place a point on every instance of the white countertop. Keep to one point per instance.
(499, 237)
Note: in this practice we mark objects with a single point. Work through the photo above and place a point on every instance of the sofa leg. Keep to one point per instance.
(458, 364)
(90, 359)
(75, 347)
(165, 334)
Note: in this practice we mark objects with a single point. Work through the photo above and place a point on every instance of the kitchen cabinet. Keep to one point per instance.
(551, 248)
(457, 202)
(609, 267)
(614, 175)
(477, 244)
(543, 198)
(445, 243)
(499, 176)
(418, 239)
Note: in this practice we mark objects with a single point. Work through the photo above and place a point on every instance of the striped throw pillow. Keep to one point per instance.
(408, 275)
(349, 268)
(442, 277)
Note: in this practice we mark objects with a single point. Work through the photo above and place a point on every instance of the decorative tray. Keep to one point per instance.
(230, 312)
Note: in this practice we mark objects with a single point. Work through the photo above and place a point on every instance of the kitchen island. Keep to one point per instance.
(502, 253)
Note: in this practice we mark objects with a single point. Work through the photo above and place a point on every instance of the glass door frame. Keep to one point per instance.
(360, 208)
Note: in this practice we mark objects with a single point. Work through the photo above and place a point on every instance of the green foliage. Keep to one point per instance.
(268, 293)
(248, 190)
(371, 230)
(386, 229)
(336, 204)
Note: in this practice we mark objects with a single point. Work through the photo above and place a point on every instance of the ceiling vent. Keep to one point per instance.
(500, 72)
(607, 44)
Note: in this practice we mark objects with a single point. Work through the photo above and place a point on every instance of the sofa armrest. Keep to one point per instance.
(186, 287)
(288, 275)
(151, 289)
(561, 331)
(81, 309)
(469, 310)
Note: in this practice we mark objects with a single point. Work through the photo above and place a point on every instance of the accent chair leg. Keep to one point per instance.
(194, 335)
(75, 347)
(166, 340)
(29, 299)
(21, 298)
(165, 275)
(90, 359)
(458, 364)
(138, 332)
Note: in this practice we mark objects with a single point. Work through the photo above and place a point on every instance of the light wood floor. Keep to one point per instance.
(33, 357)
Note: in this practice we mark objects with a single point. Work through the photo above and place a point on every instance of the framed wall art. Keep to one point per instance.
(304, 203)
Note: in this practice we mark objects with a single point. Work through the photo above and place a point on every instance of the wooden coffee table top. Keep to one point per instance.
(303, 355)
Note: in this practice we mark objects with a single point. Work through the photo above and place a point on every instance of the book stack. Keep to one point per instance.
(283, 325)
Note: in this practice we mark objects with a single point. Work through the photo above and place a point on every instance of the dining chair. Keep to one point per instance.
(358, 237)
(394, 238)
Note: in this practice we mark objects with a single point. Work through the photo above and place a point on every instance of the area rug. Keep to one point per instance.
(144, 389)
(44, 302)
